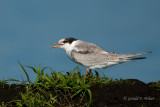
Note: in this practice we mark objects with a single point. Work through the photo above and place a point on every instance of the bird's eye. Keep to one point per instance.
(65, 41)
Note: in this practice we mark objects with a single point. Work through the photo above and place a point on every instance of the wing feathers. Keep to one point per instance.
(131, 54)
(85, 48)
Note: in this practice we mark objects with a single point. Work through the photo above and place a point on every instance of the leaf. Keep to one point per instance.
(28, 79)
(77, 92)
(36, 81)
(34, 70)
(42, 71)
(11, 79)
(72, 73)
(90, 96)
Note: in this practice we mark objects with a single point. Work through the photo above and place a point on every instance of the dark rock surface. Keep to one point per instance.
(127, 93)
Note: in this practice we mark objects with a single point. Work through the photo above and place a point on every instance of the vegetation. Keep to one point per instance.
(155, 85)
(56, 89)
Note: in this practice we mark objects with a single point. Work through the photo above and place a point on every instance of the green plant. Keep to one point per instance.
(156, 85)
(57, 89)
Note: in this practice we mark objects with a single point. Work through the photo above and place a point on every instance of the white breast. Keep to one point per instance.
(70, 48)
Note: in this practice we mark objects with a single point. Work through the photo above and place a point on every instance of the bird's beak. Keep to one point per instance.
(59, 45)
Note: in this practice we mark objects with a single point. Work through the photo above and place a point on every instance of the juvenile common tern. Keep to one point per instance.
(92, 56)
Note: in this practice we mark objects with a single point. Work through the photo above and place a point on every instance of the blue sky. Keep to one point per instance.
(28, 27)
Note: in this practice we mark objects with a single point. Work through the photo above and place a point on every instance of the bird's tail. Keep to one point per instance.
(131, 56)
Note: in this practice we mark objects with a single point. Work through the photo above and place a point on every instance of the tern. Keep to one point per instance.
(92, 56)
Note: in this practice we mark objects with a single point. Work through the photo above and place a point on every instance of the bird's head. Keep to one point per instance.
(64, 43)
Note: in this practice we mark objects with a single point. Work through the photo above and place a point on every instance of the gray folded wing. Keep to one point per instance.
(90, 55)
(90, 58)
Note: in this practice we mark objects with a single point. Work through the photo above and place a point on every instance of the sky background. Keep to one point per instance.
(123, 26)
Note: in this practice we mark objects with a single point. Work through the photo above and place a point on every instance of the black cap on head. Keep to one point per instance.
(69, 40)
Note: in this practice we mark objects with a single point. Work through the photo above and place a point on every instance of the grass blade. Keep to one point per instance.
(90, 96)
(28, 79)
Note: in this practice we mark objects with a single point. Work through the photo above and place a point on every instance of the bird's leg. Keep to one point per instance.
(86, 72)
(89, 73)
